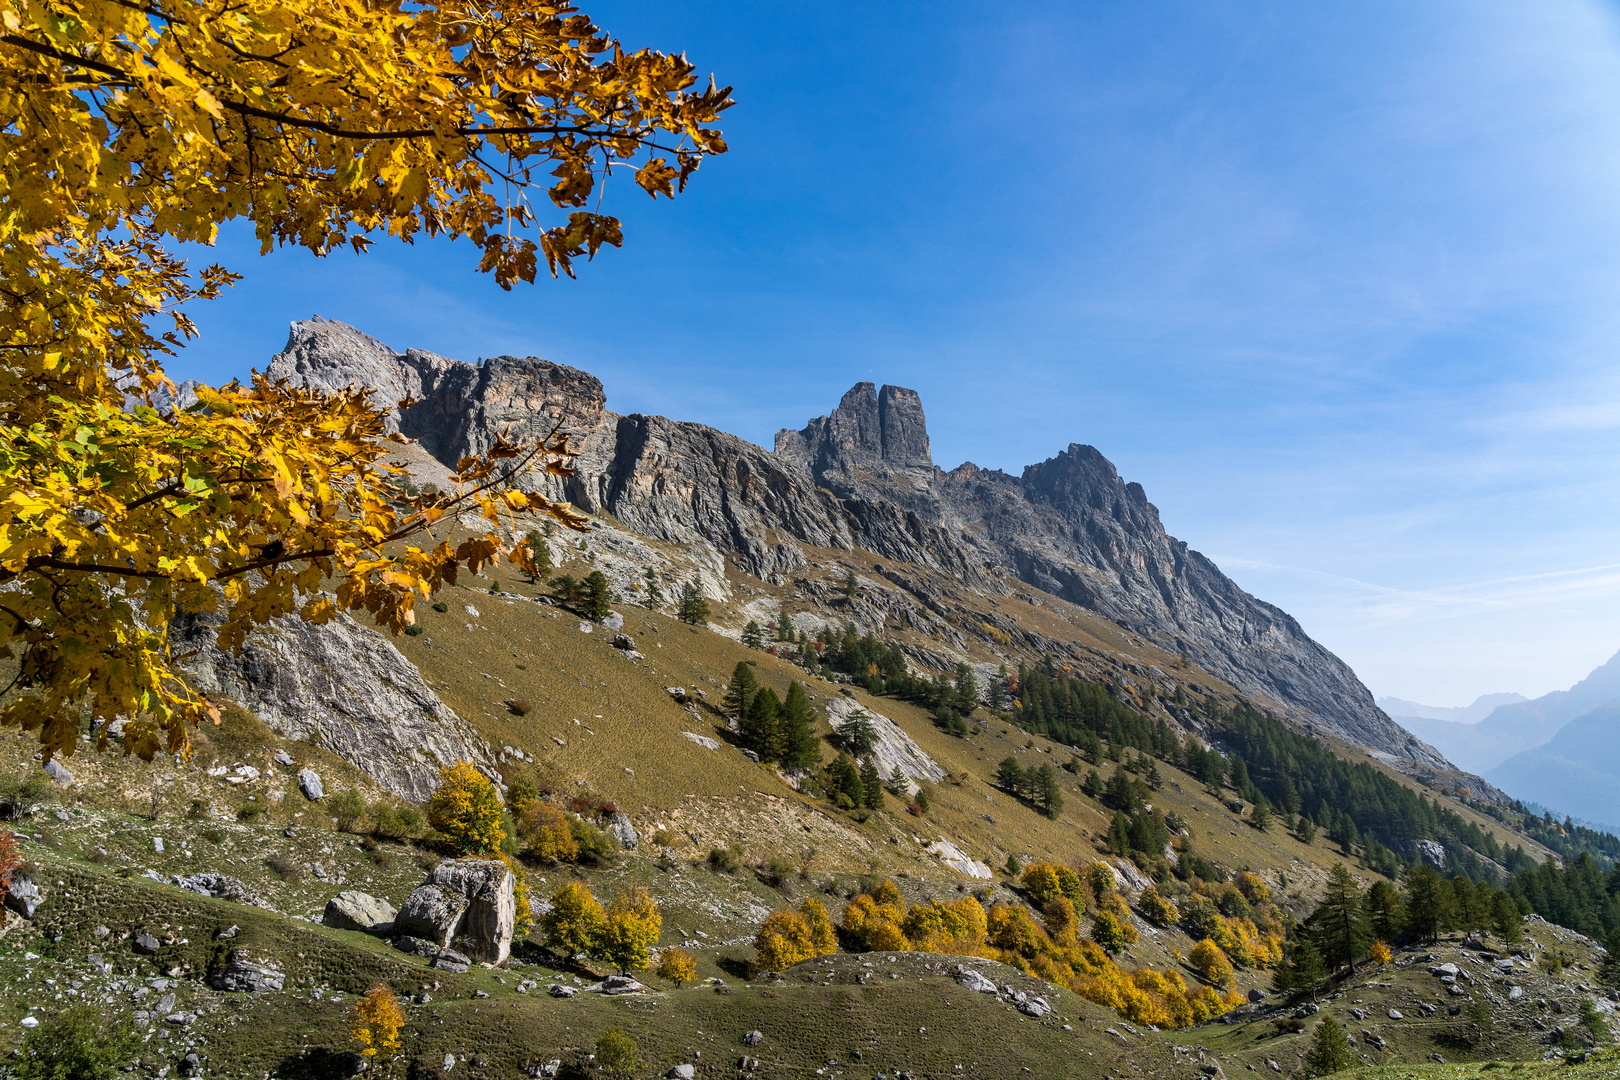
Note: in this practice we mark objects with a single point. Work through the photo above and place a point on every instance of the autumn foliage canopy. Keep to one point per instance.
(326, 123)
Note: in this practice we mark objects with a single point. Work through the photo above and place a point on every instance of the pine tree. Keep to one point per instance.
(849, 585)
(859, 734)
(655, 595)
(1119, 834)
(1048, 792)
(1330, 1050)
(1506, 919)
(1386, 915)
(844, 779)
(1093, 784)
(540, 557)
(1609, 969)
(1307, 831)
(1010, 776)
(761, 729)
(1261, 818)
(596, 605)
(1338, 925)
(801, 746)
(1427, 901)
(872, 783)
(752, 635)
(693, 607)
(1304, 971)
(740, 694)
(967, 687)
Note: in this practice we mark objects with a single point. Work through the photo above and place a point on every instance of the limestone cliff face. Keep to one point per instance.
(863, 476)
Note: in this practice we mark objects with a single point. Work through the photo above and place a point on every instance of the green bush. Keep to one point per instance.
(596, 846)
(76, 1044)
(249, 812)
(723, 860)
(398, 822)
(415, 630)
(616, 1052)
(441, 607)
(350, 809)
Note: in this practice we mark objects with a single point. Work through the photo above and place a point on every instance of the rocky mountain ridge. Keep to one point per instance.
(863, 477)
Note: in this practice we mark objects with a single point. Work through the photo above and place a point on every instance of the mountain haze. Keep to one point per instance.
(1519, 726)
(1481, 707)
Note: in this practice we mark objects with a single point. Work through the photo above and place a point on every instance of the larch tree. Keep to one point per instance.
(133, 127)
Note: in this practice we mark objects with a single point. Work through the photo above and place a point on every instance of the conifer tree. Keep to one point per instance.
(1304, 971)
(1330, 1050)
(740, 694)
(1307, 831)
(859, 734)
(801, 746)
(1093, 785)
(761, 729)
(598, 597)
(872, 784)
(849, 585)
(1119, 834)
(752, 635)
(1010, 776)
(655, 595)
(1609, 969)
(693, 607)
(1506, 919)
(1048, 793)
(1386, 915)
(1338, 926)
(539, 558)
(1261, 818)
(1427, 901)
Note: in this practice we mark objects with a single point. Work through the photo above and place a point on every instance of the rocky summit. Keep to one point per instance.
(863, 477)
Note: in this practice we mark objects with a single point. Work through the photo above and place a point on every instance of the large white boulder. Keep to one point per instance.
(468, 903)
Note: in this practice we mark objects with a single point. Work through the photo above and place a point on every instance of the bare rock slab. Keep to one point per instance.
(354, 910)
(468, 903)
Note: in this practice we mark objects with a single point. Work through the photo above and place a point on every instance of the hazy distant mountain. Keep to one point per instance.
(1516, 727)
(1482, 707)
(1574, 773)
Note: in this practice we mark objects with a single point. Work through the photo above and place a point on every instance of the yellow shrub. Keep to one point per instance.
(546, 829)
(1099, 878)
(632, 928)
(466, 809)
(866, 916)
(1041, 882)
(1379, 953)
(678, 966)
(1253, 889)
(1061, 922)
(784, 939)
(887, 936)
(887, 894)
(574, 921)
(1010, 929)
(1211, 963)
(823, 938)
(1157, 909)
(376, 1022)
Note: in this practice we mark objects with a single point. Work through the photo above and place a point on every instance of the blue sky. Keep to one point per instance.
(1337, 283)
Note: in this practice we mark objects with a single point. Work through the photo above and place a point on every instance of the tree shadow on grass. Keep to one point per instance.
(318, 1064)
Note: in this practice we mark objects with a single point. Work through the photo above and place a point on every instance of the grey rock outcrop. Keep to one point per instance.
(23, 896)
(338, 684)
(894, 749)
(863, 476)
(354, 910)
(246, 973)
(222, 888)
(623, 830)
(467, 903)
(309, 782)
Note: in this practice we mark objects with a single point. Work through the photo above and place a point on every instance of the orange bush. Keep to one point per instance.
(1380, 953)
